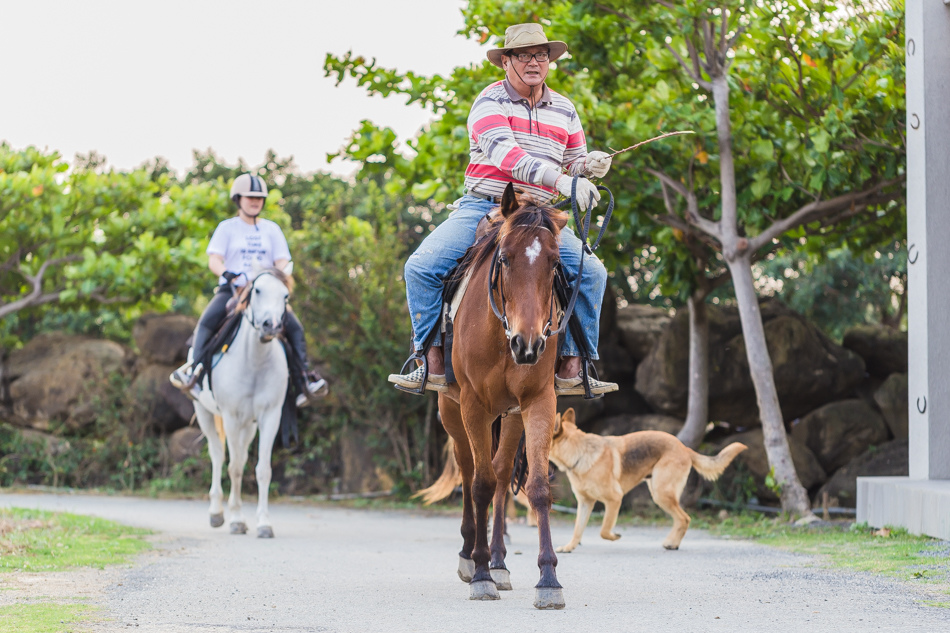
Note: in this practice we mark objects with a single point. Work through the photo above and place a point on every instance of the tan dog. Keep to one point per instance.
(605, 468)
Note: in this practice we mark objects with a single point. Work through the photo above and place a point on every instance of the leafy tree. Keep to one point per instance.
(798, 112)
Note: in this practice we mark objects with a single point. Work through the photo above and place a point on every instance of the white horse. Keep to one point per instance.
(249, 384)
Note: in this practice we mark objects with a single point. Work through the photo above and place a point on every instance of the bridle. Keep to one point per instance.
(495, 275)
(246, 301)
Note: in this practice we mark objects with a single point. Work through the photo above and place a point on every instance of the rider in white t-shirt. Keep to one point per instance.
(239, 246)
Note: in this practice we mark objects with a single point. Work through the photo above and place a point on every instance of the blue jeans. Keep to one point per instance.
(437, 255)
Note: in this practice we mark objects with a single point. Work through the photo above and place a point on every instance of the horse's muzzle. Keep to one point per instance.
(269, 331)
(524, 353)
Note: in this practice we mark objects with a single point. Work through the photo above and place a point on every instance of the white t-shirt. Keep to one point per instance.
(246, 247)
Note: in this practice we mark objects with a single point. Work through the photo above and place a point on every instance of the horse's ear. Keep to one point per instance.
(509, 201)
(289, 268)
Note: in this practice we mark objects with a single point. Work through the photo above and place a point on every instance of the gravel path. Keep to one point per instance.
(332, 569)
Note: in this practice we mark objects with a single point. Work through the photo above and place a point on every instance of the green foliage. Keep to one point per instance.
(46, 541)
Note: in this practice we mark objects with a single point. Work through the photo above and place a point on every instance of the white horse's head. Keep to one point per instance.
(266, 302)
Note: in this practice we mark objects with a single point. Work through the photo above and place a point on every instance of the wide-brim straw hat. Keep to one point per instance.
(525, 36)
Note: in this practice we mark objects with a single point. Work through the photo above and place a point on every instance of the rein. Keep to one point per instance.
(495, 275)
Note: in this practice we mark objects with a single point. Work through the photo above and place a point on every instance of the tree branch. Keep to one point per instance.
(820, 208)
(692, 211)
(36, 296)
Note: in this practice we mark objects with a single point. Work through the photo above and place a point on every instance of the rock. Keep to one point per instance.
(809, 369)
(186, 442)
(883, 349)
(165, 406)
(640, 327)
(887, 460)
(891, 398)
(623, 424)
(161, 338)
(838, 432)
(55, 446)
(754, 461)
(63, 378)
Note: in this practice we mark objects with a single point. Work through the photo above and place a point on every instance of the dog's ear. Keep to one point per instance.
(569, 416)
(557, 424)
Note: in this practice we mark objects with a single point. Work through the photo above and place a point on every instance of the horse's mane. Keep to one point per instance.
(283, 277)
(528, 217)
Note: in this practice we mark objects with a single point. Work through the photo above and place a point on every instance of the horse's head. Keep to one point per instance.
(265, 302)
(523, 270)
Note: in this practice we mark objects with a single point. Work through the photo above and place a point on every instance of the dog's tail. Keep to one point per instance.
(450, 478)
(711, 467)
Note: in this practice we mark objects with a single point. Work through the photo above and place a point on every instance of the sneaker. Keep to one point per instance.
(575, 386)
(413, 380)
(318, 388)
(181, 377)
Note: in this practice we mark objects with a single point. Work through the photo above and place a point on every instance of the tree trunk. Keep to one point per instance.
(792, 493)
(697, 406)
(734, 249)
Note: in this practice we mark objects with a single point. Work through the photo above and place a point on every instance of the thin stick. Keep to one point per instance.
(627, 149)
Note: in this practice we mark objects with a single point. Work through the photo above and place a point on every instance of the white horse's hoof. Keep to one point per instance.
(239, 527)
(265, 531)
(502, 579)
(217, 520)
(483, 590)
(548, 598)
(466, 569)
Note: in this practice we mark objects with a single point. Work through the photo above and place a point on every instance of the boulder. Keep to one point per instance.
(809, 369)
(891, 398)
(623, 424)
(166, 408)
(887, 460)
(161, 338)
(617, 364)
(754, 461)
(838, 432)
(640, 326)
(184, 443)
(62, 378)
(883, 349)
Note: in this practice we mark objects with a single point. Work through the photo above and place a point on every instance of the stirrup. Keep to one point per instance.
(425, 374)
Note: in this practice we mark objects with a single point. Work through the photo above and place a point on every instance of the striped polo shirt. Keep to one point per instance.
(511, 142)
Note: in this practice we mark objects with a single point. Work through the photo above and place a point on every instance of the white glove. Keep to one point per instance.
(597, 164)
(587, 194)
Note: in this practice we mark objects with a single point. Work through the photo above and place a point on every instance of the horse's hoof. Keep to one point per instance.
(483, 590)
(466, 569)
(502, 579)
(548, 598)
(217, 520)
(265, 531)
(239, 527)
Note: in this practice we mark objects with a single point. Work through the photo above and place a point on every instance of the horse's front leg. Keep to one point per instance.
(269, 426)
(478, 429)
(511, 428)
(539, 428)
(451, 416)
(216, 451)
(239, 439)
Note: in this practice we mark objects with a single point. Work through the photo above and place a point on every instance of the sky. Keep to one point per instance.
(133, 80)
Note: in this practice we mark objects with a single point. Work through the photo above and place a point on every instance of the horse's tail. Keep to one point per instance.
(450, 478)
(219, 427)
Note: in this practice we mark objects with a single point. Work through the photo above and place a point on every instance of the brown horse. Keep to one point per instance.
(504, 356)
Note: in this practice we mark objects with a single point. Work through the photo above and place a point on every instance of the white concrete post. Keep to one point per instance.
(921, 502)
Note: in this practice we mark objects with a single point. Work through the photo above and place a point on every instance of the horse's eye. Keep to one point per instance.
(257, 290)
(503, 260)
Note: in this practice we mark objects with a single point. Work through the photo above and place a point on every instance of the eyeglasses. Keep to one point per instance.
(524, 58)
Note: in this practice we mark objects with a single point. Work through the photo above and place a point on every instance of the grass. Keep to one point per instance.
(44, 618)
(37, 541)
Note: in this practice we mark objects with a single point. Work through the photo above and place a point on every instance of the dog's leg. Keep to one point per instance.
(584, 506)
(666, 490)
(611, 512)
